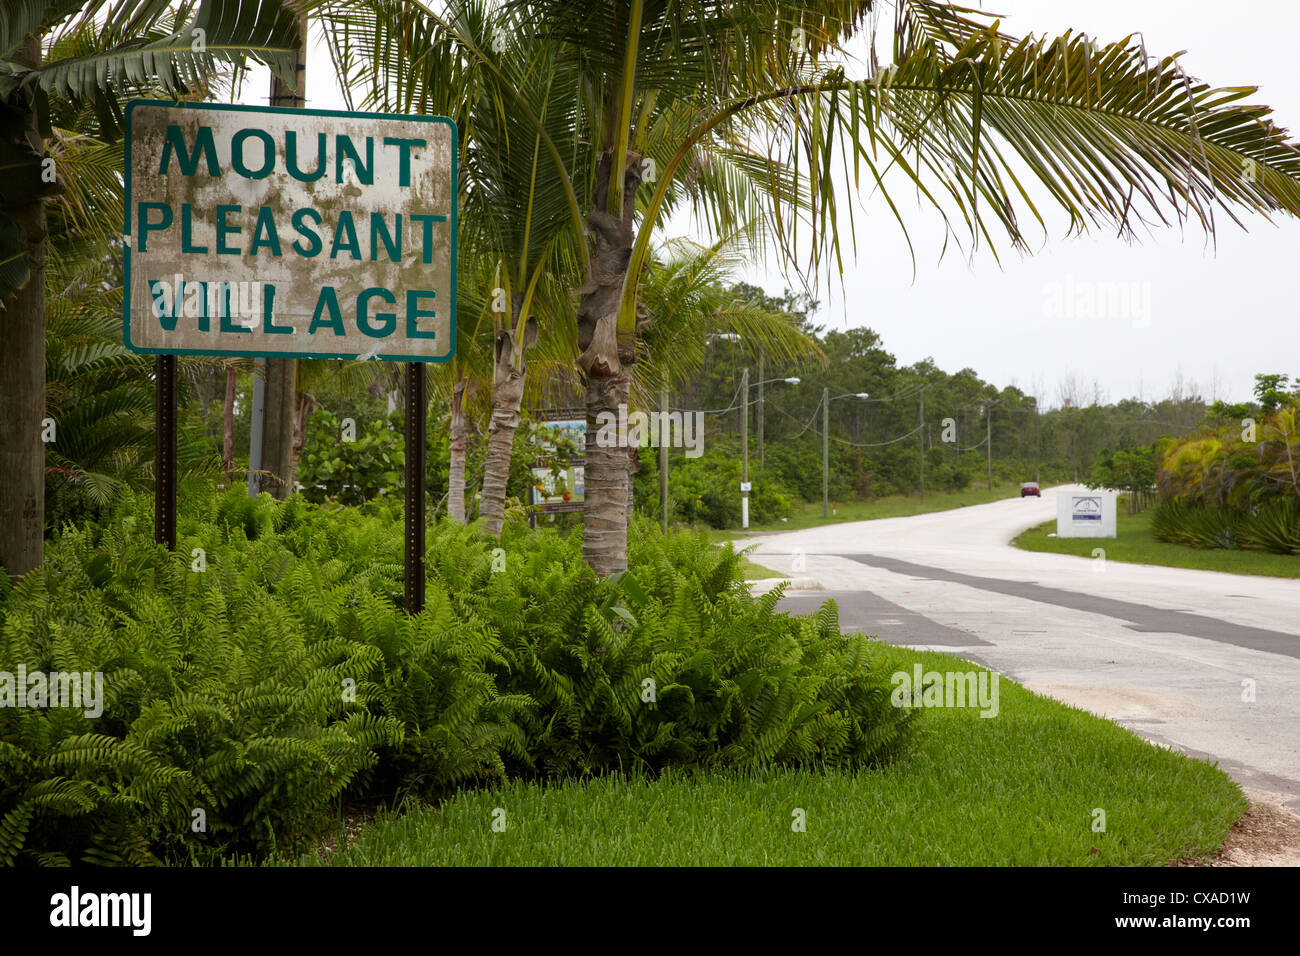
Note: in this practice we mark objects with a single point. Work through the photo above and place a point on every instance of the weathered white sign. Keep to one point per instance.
(304, 233)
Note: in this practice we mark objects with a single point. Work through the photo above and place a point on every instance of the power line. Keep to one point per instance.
(715, 411)
(878, 444)
(951, 446)
(810, 423)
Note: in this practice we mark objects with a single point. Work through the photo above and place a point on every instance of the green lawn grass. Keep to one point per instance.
(1021, 788)
(756, 572)
(809, 514)
(1136, 544)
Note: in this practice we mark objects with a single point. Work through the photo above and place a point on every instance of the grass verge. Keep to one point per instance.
(756, 572)
(1020, 788)
(1136, 544)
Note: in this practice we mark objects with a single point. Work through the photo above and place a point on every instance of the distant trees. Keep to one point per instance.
(1133, 472)
(874, 442)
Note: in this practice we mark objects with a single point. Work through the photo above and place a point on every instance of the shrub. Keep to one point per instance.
(351, 471)
(708, 489)
(731, 682)
(1274, 526)
(274, 673)
(1196, 526)
(219, 707)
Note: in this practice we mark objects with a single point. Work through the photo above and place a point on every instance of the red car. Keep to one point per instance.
(1030, 488)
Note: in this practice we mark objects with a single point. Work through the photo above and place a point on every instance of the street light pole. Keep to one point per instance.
(826, 443)
(988, 440)
(921, 429)
(826, 452)
(762, 413)
(1037, 445)
(744, 441)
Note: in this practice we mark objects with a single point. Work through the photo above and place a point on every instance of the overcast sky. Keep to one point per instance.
(1212, 313)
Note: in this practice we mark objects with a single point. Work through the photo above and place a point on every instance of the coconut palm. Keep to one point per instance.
(745, 107)
(523, 228)
(515, 222)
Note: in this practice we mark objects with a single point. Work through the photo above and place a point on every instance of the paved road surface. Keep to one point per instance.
(1164, 651)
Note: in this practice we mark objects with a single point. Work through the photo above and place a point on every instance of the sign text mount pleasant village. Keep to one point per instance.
(262, 231)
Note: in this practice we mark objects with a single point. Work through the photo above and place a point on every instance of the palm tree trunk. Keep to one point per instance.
(633, 466)
(22, 392)
(281, 403)
(605, 496)
(496, 470)
(228, 442)
(305, 404)
(606, 365)
(277, 433)
(507, 396)
(458, 438)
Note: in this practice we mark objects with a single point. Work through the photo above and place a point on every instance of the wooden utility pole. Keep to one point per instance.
(826, 452)
(762, 413)
(988, 440)
(921, 432)
(1037, 445)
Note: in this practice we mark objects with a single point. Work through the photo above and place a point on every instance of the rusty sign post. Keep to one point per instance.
(414, 512)
(297, 233)
(164, 460)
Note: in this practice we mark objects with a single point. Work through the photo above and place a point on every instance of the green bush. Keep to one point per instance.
(267, 671)
(707, 489)
(351, 471)
(221, 710)
(676, 664)
(1272, 526)
(1197, 526)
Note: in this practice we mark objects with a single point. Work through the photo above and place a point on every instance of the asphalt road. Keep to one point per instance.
(1170, 653)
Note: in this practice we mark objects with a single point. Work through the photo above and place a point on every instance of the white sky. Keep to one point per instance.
(1214, 316)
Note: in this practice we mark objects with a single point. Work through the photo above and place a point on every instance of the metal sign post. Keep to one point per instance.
(415, 474)
(164, 461)
(291, 233)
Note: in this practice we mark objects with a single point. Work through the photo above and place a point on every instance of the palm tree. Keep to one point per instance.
(514, 216)
(84, 55)
(523, 227)
(745, 107)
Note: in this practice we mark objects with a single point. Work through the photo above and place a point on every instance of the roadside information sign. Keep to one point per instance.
(291, 233)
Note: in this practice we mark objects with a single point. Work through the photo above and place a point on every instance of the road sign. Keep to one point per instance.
(295, 233)
(1090, 515)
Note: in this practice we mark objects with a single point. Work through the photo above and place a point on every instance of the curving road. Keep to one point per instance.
(1168, 652)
